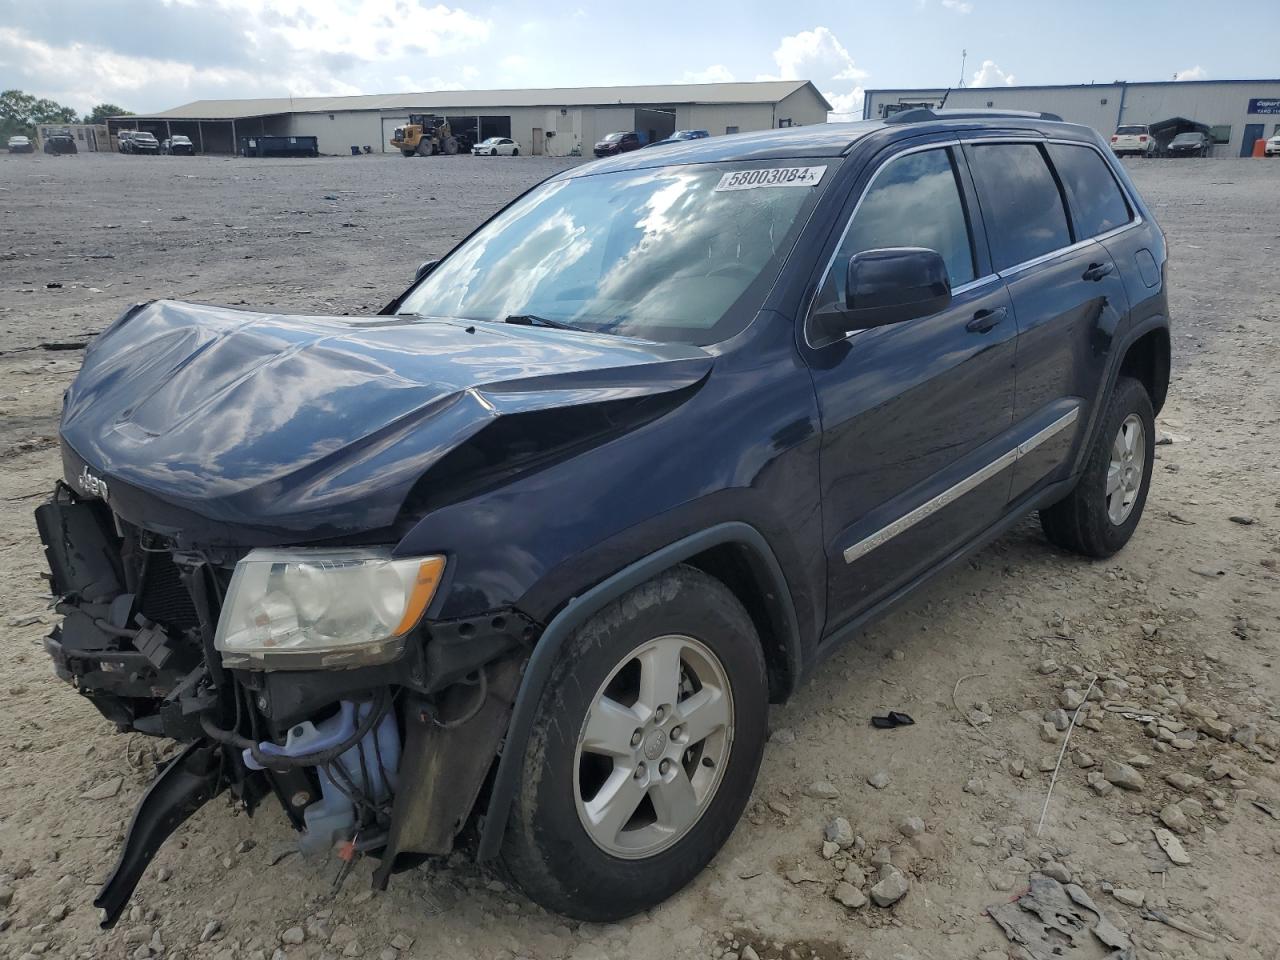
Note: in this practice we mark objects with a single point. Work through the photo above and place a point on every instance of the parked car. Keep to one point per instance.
(680, 136)
(1134, 139)
(615, 143)
(138, 142)
(496, 147)
(20, 144)
(1190, 144)
(177, 145)
(536, 549)
(56, 143)
(1272, 149)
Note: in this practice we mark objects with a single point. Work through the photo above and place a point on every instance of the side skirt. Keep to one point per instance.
(1034, 501)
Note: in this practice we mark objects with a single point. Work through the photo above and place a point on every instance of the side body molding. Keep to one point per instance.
(574, 614)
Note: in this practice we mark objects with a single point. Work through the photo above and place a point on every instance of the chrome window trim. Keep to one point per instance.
(958, 490)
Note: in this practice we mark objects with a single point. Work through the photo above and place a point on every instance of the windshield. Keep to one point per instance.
(610, 138)
(661, 254)
(1131, 131)
(1186, 138)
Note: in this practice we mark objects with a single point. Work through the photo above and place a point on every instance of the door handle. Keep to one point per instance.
(1097, 271)
(984, 320)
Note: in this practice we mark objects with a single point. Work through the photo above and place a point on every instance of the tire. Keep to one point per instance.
(693, 625)
(516, 152)
(1090, 520)
(406, 153)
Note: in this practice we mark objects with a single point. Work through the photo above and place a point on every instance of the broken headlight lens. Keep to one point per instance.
(314, 609)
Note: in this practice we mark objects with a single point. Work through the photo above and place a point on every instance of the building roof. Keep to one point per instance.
(762, 91)
(1069, 86)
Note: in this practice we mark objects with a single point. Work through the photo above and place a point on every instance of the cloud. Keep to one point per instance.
(958, 6)
(818, 55)
(814, 55)
(990, 75)
(716, 73)
(845, 106)
(85, 52)
(1191, 73)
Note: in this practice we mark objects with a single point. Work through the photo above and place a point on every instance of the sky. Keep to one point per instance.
(149, 55)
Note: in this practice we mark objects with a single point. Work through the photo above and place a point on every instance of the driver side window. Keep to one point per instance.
(914, 201)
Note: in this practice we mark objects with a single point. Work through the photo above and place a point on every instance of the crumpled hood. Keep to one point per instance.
(313, 427)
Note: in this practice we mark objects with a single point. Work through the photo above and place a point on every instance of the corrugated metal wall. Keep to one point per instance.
(1104, 106)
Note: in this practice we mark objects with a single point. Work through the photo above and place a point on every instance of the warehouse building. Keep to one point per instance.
(1237, 112)
(555, 122)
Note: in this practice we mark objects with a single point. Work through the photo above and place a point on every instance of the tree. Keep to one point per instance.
(100, 113)
(20, 112)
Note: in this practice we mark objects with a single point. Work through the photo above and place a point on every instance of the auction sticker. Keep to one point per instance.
(771, 177)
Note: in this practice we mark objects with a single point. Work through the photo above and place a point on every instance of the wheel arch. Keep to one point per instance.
(737, 555)
(1147, 359)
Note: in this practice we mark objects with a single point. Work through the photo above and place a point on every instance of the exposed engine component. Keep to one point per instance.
(362, 776)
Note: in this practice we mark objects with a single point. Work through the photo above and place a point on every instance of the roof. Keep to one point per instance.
(762, 91)
(810, 140)
(1067, 86)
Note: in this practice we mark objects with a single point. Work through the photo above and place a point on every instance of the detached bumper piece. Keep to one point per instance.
(190, 781)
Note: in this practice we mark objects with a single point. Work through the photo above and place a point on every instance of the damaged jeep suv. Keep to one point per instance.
(518, 564)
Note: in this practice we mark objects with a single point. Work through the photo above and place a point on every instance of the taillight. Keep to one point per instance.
(1114, 139)
(1142, 139)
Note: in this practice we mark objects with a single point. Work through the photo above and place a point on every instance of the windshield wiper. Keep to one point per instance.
(533, 320)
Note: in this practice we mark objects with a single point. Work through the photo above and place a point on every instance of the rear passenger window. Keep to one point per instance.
(913, 202)
(1092, 191)
(1021, 203)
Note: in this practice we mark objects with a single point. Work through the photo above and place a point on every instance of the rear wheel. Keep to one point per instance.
(515, 152)
(1099, 516)
(406, 153)
(643, 752)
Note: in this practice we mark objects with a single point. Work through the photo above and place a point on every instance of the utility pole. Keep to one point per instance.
(964, 55)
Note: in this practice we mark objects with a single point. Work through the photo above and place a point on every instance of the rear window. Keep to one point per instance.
(1131, 131)
(1092, 191)
(1020, 200)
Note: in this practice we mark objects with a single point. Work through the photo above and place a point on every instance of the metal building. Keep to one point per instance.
(554, 121)
(1238, 112)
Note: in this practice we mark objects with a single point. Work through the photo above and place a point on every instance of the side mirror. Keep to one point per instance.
(426, 267)
(888, 286)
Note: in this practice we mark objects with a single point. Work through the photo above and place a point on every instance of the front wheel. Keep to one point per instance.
(644, 750)
(515, 153)
(1099, 516)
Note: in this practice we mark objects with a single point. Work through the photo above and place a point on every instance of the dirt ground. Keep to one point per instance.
(1183, 625)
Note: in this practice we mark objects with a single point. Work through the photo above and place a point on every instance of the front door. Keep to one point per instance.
(537, 141)
(1252, 134)
(913, 414)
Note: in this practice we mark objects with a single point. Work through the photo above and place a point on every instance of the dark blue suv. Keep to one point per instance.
(521, 562)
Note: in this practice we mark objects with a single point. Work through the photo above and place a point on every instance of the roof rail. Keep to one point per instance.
(921, 114)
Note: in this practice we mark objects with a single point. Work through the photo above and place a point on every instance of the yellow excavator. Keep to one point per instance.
(425, 135)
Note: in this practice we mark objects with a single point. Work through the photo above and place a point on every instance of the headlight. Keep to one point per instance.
(308, 609)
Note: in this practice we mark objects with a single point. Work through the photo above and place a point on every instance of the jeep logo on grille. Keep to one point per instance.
(92, 485)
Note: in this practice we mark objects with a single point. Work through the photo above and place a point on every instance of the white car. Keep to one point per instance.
(496, 147)
(20, 144)
(1272, 149)
(1134, 139)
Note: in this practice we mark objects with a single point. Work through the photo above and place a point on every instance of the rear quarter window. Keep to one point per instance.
(1092, 191)
(1021, 203)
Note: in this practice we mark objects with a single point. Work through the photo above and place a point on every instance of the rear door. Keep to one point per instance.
(1068, 296)
(915, 454)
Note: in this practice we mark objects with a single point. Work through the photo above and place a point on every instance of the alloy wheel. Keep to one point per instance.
(653, 747)
(1124, 473)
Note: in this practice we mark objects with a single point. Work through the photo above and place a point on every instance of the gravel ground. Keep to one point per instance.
(1183, 625)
